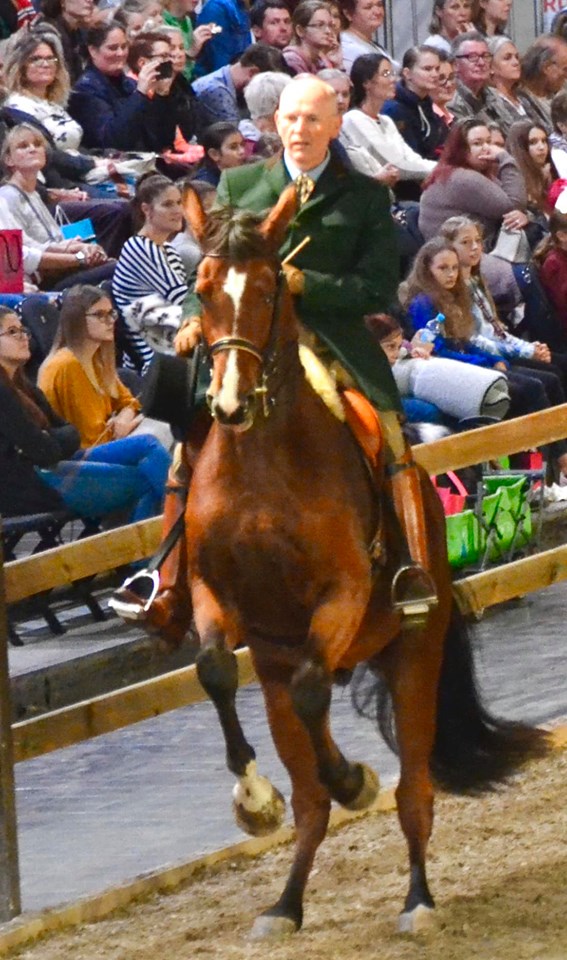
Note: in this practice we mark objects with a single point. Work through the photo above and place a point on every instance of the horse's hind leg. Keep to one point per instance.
(259, 808)
(310, 799)
(411, 667)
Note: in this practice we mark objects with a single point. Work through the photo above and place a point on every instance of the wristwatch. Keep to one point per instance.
(80, 256)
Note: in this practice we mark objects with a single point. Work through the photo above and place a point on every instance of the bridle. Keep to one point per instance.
(267, 356)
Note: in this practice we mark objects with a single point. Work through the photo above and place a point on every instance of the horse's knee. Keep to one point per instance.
(217, 669)
(311, 692)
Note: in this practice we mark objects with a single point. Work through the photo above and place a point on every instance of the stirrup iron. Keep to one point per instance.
(415, 608)
(136, 595)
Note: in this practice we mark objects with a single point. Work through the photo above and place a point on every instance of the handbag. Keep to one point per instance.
(75, 229)
(512, 246)
(11, 261)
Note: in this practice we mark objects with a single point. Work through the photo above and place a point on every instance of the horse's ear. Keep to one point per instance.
(276, 223)
(195, 214)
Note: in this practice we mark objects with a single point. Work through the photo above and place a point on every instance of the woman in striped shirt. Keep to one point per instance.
(148, 264)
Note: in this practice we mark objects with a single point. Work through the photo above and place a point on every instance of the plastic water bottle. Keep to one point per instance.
(432, 329)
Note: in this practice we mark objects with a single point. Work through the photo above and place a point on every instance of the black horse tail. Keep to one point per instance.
(473, 750)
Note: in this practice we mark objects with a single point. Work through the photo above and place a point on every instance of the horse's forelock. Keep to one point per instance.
(234, 234)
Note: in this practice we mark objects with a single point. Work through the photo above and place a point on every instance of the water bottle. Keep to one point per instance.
(432, 329)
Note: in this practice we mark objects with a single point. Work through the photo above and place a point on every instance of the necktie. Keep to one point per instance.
(305, 186)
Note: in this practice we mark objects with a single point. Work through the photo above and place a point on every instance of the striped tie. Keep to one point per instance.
(305, 186)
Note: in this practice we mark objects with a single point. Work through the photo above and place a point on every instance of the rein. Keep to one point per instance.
(265, 357)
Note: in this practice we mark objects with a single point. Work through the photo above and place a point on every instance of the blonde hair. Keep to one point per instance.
(21, 47)
(11, 140)
(450, 230)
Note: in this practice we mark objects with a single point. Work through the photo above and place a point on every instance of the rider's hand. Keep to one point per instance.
(187, 337)
(295, 279)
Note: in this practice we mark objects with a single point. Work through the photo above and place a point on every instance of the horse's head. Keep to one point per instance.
(246, 307)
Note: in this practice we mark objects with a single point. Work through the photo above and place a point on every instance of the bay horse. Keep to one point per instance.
(281, 515)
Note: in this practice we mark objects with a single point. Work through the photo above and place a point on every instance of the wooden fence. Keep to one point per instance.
(102, 552)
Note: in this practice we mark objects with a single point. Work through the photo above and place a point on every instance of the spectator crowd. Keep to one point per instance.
(111, 111)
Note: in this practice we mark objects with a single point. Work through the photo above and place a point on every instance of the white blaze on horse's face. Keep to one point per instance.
(234, 287)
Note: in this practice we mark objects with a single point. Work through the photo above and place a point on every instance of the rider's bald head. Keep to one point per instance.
(307, 120)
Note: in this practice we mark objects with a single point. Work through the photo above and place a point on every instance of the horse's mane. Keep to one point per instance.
(234, 234)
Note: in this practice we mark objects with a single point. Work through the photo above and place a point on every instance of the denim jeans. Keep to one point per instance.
(123, 474)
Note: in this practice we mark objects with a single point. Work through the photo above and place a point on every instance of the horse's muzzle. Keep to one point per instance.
(241, 418)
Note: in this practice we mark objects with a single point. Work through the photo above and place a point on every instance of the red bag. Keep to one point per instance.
(452, 502)
(11, 262)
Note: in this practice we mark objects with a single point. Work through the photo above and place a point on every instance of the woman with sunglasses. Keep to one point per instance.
(41, 463)
(313, 36)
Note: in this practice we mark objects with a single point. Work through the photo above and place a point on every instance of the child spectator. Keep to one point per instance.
(551, 258)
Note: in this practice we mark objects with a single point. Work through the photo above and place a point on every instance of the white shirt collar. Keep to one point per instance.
(315, 173)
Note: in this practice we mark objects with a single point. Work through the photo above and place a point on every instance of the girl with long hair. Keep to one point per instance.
(449, 18)
(41, 463)
(313, 37)
(527, 142)
(490, 17)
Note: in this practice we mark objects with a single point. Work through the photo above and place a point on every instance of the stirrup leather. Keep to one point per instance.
(413, 592)
(134, 598)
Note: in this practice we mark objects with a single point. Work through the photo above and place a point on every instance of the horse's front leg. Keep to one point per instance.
(334, 627)
(258, 807)
(310, 799)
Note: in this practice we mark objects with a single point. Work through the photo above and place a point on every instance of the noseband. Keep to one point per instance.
(265, 357)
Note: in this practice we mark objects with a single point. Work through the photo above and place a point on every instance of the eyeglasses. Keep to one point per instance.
(43, 61)
(474, 57)
(321, 26)
(104, 316)
(387, 75)
(17, 333)
(445, 81)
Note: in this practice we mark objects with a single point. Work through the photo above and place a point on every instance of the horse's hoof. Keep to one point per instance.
(272, 928)
(368, 792)
(259, 808)
(419, 920)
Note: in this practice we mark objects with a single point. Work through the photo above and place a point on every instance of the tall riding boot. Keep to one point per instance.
(159, 599)
(413, 589)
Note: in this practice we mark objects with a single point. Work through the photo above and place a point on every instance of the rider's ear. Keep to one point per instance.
(274, 227)
(194, 213)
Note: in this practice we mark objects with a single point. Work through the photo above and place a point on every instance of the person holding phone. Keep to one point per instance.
(116, 111)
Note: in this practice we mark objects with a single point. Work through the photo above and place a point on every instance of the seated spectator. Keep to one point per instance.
(79, 376)
(558, 138)
(475, 178)
(37, 84)
(47, 256)
(115, 111)
(438, 306)
(41, 464)
(148, 264)
(473, 96)
(177, 13)
(271, 23)
(411, 108)
(490, 17)
(373, 80)
(341, 84)
(334, 56)
(361, 20)
(445, 89)
(508, 103)
(449, 18)
(217, 93)
(71, 19)
(544, 71)
(184, 243)
(551, 259)
(262, 96)
(224, 149)
(528, 144)
(182, 96)
(138, 15)
(313, 37)
(229, 22)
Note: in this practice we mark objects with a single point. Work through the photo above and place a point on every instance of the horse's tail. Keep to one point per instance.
(473, 750)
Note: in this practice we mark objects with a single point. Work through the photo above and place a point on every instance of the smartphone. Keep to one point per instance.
(164, 70)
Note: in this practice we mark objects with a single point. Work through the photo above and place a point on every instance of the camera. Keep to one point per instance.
(164, 70)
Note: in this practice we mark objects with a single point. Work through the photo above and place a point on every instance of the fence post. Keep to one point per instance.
(10, 904)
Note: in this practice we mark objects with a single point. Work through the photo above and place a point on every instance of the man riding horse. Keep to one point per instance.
(348, 267)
